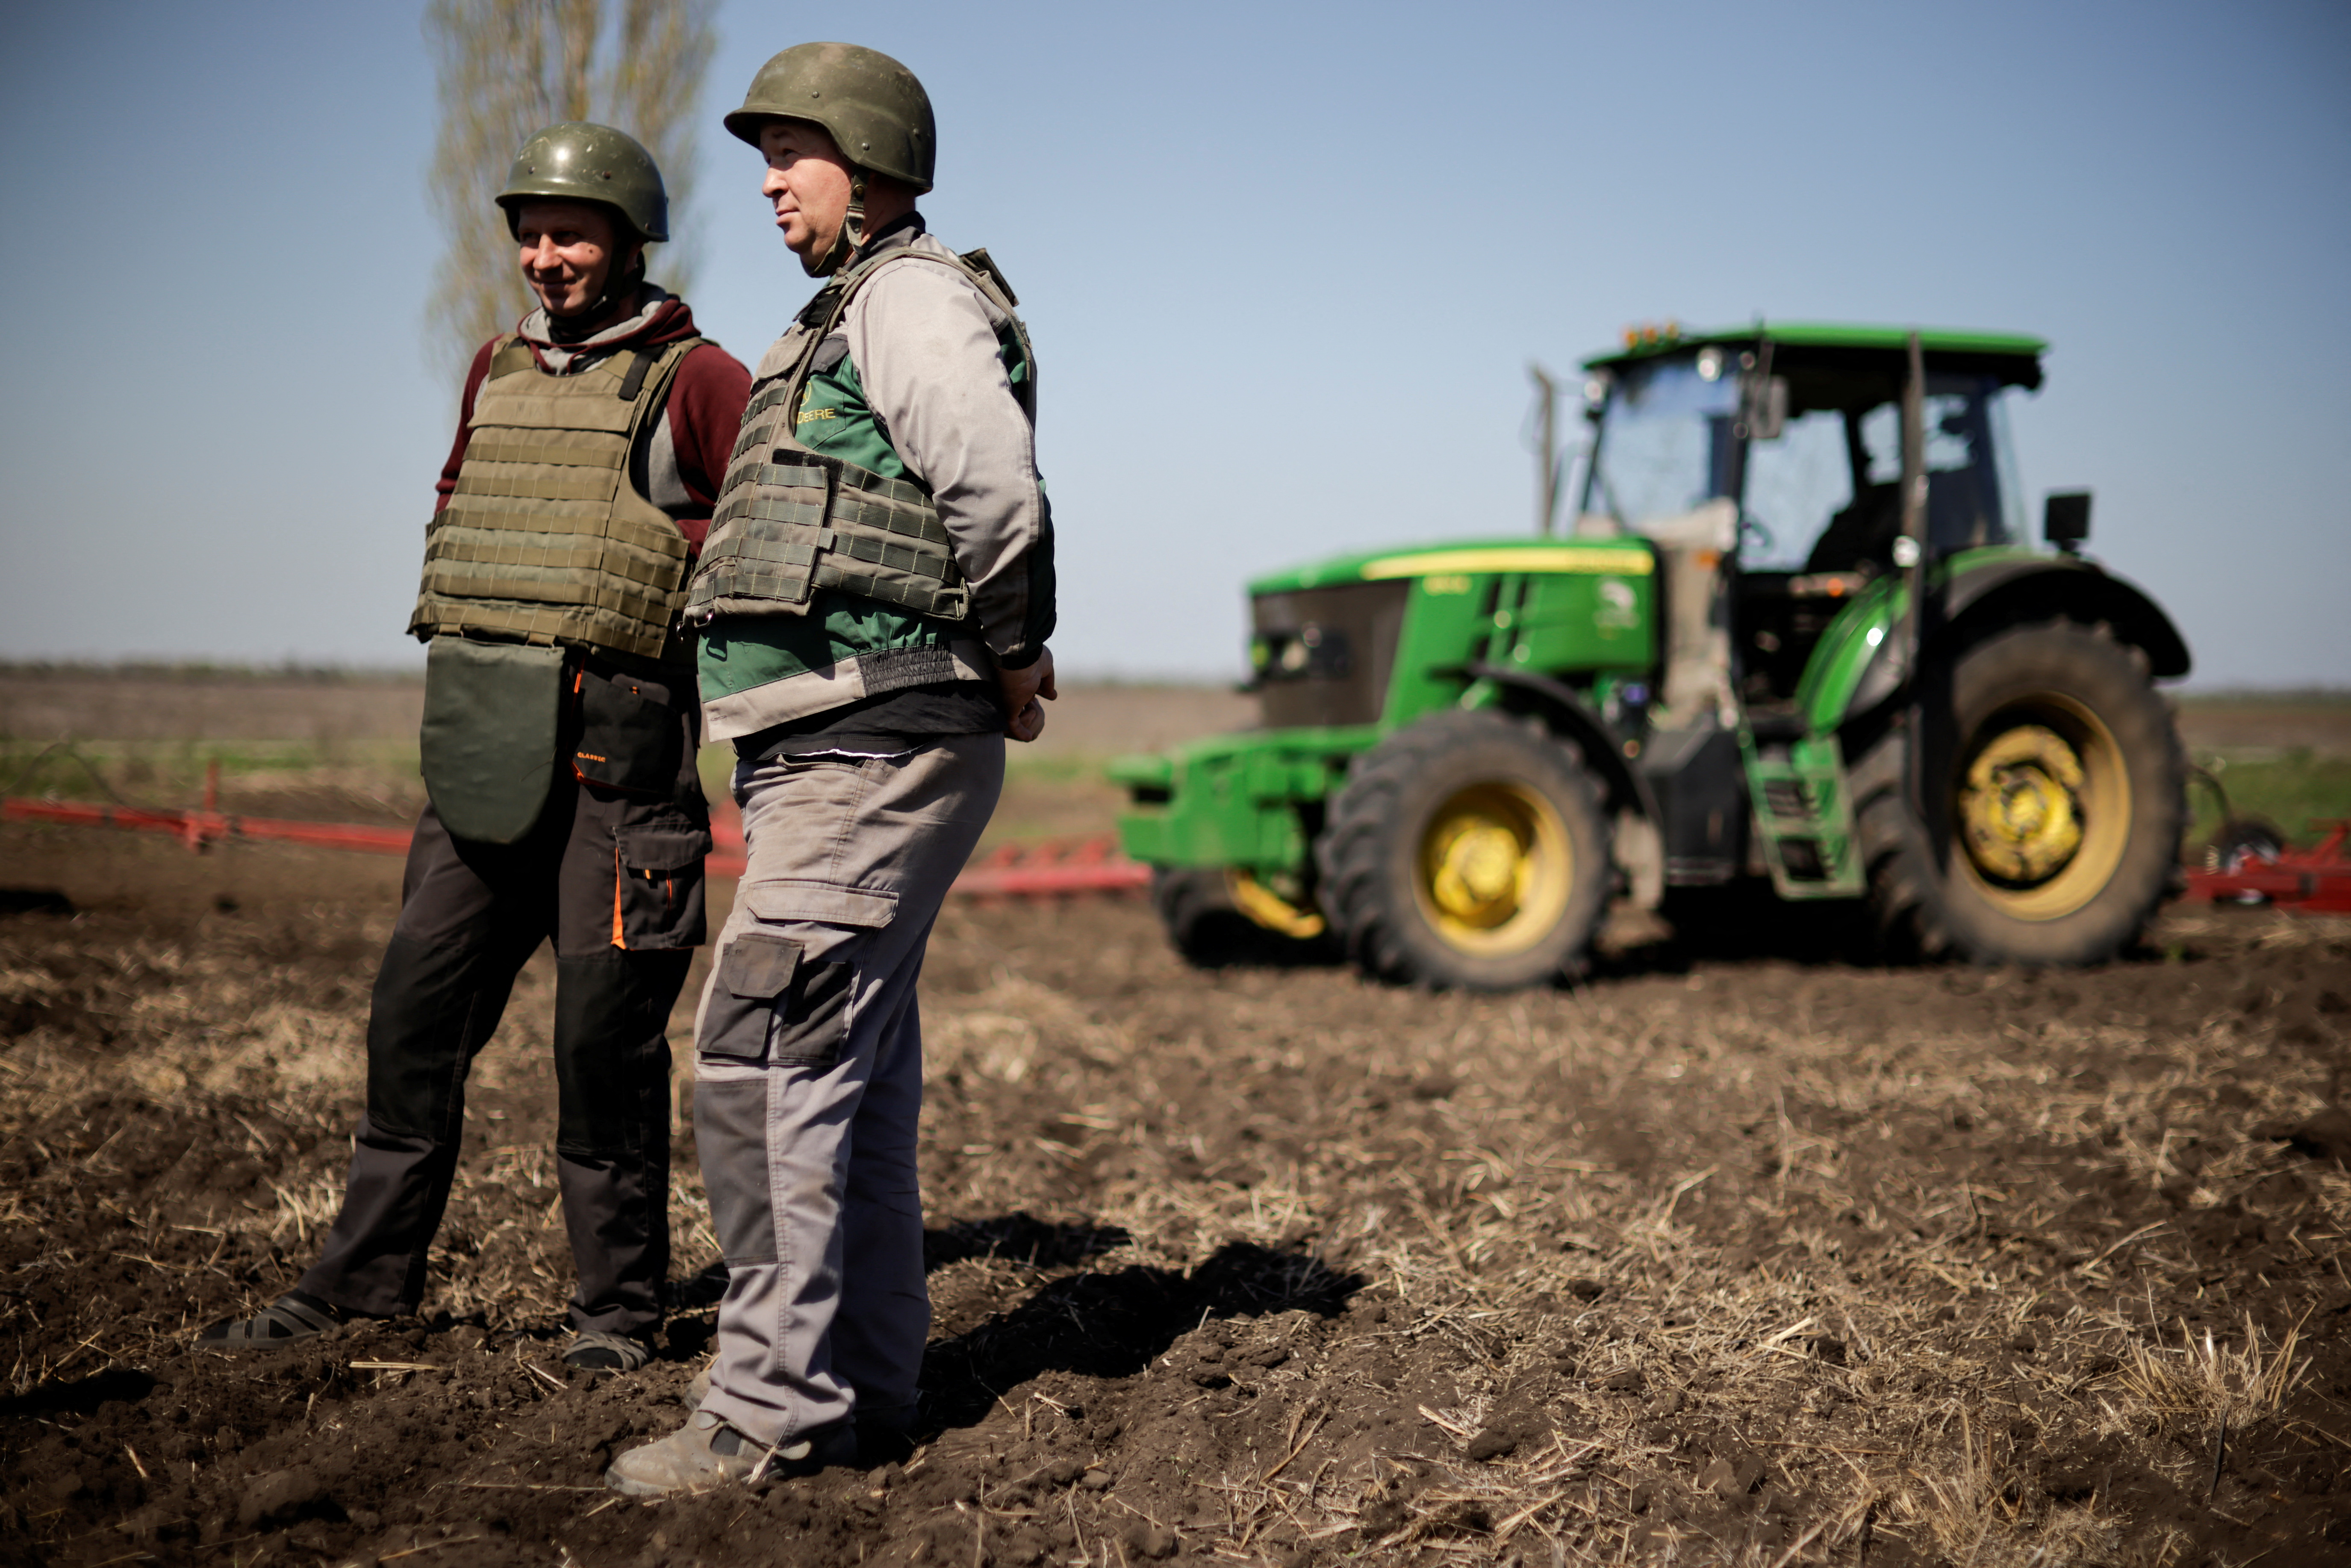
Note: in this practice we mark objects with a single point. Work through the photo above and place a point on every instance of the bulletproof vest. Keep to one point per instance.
(546, 540)
(792, 520)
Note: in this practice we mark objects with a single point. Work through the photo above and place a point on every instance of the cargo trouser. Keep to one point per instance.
(810, 1080)
(616, 884)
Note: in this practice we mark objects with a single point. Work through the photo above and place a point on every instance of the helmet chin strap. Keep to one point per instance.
(852, 237)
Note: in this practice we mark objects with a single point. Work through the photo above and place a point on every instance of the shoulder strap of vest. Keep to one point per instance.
(512, 354)
(821, 313)
(976, 267)
(648, 382)
(640, 361)
(980, 261)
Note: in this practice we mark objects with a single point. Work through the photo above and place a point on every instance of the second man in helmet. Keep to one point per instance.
(559, 752)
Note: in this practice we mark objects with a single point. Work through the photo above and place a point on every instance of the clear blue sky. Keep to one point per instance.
(1285, 266)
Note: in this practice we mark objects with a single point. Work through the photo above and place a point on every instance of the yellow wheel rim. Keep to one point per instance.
(2043, 808)
(1494, 870)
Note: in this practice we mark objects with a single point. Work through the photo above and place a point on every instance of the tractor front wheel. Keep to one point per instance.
(1466, 850)
(1206, 913)
(2053, 800)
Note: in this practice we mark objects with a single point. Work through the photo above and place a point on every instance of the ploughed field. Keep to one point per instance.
(1750, 1260)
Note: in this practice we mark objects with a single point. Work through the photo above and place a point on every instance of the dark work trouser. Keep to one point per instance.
(616, 884)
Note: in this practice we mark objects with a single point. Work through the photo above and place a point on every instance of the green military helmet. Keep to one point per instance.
(577, 162)
(872, 106)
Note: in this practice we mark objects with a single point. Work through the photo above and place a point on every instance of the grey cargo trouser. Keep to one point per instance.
(808, 1072)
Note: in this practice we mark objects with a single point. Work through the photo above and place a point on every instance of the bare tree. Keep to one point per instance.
(509, 68)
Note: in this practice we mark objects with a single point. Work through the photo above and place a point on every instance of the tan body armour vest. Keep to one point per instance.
(792, 520)
(546, 540)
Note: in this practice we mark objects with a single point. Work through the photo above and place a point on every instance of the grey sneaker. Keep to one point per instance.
(291, 1319)
(593, 1350)
(883, 1437)
(707, 1453)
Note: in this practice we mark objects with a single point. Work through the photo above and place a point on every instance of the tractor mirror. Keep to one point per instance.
(2065, 519)
(1766, 414)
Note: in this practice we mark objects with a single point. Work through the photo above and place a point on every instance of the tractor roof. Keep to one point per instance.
(2013, 356)
(1465, 558)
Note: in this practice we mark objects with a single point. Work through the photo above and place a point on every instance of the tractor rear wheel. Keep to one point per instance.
(1466, 850)
(2058, 805)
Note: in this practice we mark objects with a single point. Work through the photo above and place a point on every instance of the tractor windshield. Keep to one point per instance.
(1666, 443)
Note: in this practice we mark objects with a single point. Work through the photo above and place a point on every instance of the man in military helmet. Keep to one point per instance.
(874, 602)
(559, 754)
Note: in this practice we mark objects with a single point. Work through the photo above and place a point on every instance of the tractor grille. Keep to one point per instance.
(1322, 655)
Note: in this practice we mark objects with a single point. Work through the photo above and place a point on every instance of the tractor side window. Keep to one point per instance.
(1795, 484)
(1962, 488)
(2009, 487)
(1968, 501)
(1952, 421)
(1881, 443)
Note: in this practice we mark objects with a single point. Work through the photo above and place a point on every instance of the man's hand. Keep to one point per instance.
(1022, 688)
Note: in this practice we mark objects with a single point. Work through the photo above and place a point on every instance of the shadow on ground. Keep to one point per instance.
(1111, 1325)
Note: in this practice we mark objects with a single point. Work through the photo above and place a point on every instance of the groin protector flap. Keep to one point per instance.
(488, 743)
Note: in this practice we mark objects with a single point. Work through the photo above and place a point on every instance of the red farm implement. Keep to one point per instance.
(2252, 865)
(1047, 868)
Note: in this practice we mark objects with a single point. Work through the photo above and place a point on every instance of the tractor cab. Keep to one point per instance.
(1767, 465)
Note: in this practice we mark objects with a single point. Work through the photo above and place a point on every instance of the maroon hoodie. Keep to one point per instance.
(705, 411)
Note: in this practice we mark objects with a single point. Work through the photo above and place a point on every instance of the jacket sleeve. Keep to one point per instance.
(473, 379)
(924, 349)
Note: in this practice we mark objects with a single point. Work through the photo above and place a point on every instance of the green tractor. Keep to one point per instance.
(1796, 645)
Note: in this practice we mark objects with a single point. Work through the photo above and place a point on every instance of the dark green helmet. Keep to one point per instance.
(576, 161)
(871, 107)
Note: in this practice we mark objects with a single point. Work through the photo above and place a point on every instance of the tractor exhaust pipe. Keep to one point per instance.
(1546, 451)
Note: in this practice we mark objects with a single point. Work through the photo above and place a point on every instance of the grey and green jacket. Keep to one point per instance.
(883, 524)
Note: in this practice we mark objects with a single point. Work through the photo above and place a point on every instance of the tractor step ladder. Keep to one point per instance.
(1803, 812)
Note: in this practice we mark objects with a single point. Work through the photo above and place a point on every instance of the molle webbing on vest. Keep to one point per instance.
(784, 530)
(544, 538)
(791, 521)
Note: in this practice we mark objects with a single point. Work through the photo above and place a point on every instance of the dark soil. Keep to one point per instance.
(1710, 1259)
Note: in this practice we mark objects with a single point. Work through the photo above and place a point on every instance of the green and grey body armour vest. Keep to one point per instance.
(544, 539)
(792, 520)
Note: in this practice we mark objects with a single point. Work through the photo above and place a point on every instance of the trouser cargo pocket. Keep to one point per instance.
(755, 969)
(657, 896)
(769, 1002)
(785, 985)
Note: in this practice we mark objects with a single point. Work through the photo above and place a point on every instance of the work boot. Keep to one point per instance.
(291, 1319)
(593, 1350)
(707, 1453)
(883, 1437)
